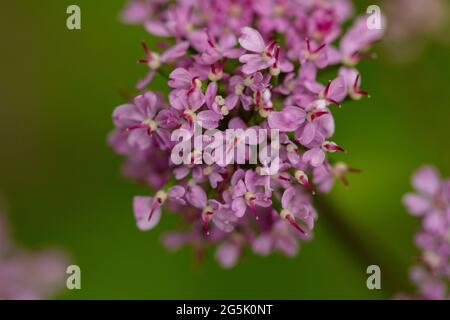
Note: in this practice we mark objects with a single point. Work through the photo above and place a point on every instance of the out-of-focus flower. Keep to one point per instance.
(412, 24)
(252, 67)
(27, 274)
(431, 202)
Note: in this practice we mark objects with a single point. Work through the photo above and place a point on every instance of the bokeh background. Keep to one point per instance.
(62, 186)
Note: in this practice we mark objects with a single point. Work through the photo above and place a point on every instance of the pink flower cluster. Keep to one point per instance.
(431, 203)
(240, 64)
(27, 275)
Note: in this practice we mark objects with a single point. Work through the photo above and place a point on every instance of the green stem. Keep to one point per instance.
(170, 183)
(162, 73)
(365, 248)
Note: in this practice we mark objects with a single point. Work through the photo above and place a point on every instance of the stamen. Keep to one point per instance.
(362, 92)
(327, 89)
(355, 84)
(344, 180)
(206, 218)
(356, 88)
(155, 205)
(222, 65)
(308, 45)
(334, 102)
(258, 97)
(146, 48)
(309, 187)
(270, 48)
(280, 177)
(210, 39)
(318, 114)
(137, 126)
(302, 178)
(319, 48)
(332, 147)
(277, 53)
(293, 223)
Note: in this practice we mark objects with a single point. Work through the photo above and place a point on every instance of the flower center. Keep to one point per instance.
(239, 89)
(350, 61)
(284, 213)
(219, 100)
(224, 110)
(155, 61)
(215, 76)
(266, 57)
(314, 114)
(207, 171)
(249, 197)
(248, 81)
(150, 123)
(197, 83)
(291, 148)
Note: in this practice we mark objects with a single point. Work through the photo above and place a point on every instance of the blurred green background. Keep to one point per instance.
(63, 186)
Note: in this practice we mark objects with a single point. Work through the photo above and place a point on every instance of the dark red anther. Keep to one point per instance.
(293, 223)
(327, 88)
(333, 147)
(270, 48)
(206, 219)
(137, 126)
(146, 48)
(210, 39)
(318, 114)
(356, 88)
(319, 48)
(155, 205)
(258, 97)
(284, 178)
(222, 65)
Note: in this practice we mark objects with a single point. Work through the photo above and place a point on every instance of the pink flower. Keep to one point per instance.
(227, 254)
(427, 198)
(188, 92)
(214, 51)
(357, 38)
(280, 238)
(296, 206)
(247, 193)
(431, 203)
(263, 56)
(352, 80)
(144, 123)
(289, 119)
(29, 275)
(154, 60)
(239, 68)
(316, 156)
(146, 212)
(325, 175)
